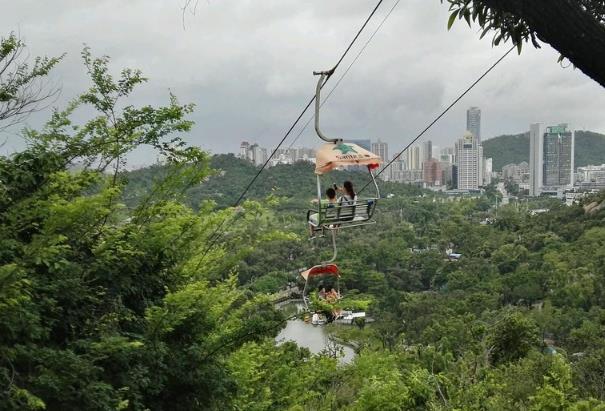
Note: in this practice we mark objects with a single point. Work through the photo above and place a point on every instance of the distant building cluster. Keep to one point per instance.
(516, 173)
(253, 153)
(551, 170)
(259, 155)
(591, 175)
(462, 167)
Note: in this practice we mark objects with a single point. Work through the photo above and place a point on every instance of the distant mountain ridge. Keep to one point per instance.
(506, 149)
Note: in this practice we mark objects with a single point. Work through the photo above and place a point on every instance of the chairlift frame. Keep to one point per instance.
(332, 217)
(326, 268)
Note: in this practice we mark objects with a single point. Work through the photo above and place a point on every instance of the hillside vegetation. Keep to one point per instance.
(231, 175)
(590, 149)
(165, 303)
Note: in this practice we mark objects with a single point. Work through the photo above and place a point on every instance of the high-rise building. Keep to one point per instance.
(413, 157)
(473, 122)
(536, 155)
(395, 169)
(243, 150)
(381, 149)
(253, 153)
(432, 173)
(558, 156)
(259, 154)
(487, 171)
(427, 150)
(455, 175)
(470, 162)
(448, 154)
(447, 173)
(436, 152)
(551, 158)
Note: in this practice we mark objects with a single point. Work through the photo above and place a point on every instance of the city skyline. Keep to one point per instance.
(551, 167)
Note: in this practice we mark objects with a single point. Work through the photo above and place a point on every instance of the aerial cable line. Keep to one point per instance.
(215, 236)
(432, 123)
(347, 70)
(241, 197)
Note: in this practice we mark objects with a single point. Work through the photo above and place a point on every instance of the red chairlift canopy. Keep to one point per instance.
(327, 269)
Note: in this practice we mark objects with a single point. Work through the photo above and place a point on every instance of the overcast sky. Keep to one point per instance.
(247, 65)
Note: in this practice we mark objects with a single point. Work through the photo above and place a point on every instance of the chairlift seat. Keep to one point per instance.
(336, 153)
(331, 216)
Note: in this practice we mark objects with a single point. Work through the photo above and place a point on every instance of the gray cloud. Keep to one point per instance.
(247, 66)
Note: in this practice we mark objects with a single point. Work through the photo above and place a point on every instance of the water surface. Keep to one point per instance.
(313, 337)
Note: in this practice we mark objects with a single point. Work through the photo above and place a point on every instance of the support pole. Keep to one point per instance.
(375, 184)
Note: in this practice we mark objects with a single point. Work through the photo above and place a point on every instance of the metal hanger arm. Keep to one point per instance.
(323, 78)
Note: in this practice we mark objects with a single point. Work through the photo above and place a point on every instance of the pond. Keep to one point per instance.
(314, 337)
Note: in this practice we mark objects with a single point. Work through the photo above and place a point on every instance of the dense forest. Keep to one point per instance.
(146, 291)
(589, 149)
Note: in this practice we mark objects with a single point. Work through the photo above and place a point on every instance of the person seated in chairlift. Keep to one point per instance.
(331, 194)
(349, 196)
(332, 201)
(322, 293)
(332, 295)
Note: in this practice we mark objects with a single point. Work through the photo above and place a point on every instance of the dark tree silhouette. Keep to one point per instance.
(575, 28)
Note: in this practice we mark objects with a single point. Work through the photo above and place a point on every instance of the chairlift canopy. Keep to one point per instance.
(332, 155)
(324, 269)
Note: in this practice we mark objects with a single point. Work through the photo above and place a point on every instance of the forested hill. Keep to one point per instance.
(590, 149)
(294, 181)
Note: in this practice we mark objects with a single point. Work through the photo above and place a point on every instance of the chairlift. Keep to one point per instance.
(333, 154)
(322, 270)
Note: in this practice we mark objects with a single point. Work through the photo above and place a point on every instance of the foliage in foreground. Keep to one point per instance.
(108, 306)
(103, 308)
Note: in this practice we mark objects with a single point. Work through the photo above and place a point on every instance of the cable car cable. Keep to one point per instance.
(241, 197)
(341, 78)
(215, 234)
(432, 123)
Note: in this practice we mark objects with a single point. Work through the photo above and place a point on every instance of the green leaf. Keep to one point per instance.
(467, 16)
(453, 16)
(485, 31)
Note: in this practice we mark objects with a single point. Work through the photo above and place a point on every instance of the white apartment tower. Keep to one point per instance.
(413, 158)
(473, 122)
(243, 150)
(469, 154)
(381, 149)
(536, 154)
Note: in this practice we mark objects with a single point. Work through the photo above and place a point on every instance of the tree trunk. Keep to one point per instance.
(564, 25)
